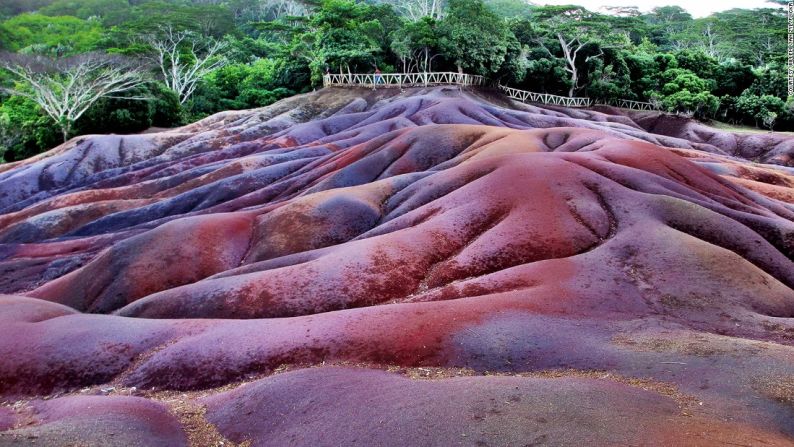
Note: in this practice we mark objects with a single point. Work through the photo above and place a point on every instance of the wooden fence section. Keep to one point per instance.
(425, 79)
(633, 105)
(544, 98)
(402, 79)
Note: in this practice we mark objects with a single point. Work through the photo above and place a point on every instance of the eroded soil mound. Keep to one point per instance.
(764, 147)
(432, 267)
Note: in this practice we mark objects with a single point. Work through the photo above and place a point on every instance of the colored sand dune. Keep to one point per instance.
(432, 267)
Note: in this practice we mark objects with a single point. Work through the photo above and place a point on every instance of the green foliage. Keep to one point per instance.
(246, 49)
(577, 36)
(514, 69)
(667, 25)
(698, 104)
(58, 36)
(677, 79)
(116, 115)
(86, 9)
(510, 8)
(24, 129)
(754, 37)
(770, 80)
(474, 38)
(609, 78)
(416, 44)
(733, 78)
(759, 110)
(164, 107)
(698, 62)
(643, 74)
(545, 75)
(239, 86)
(123, 116)
(10, 8)
(342, 35)
(347, 36)
(682, 91)
(125, 25)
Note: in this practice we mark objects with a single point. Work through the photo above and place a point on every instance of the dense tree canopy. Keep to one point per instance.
(728, 66)
(474, 38)
(57, 36)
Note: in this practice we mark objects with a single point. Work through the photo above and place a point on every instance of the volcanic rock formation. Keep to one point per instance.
(385, 268)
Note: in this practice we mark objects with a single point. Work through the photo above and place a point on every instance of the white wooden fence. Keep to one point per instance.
(425, 79)
(545, 98)
(402, 79)
(629, 104)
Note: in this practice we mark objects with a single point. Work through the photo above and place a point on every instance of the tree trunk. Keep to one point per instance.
(66, 129)
(570, 60)
(574, 81)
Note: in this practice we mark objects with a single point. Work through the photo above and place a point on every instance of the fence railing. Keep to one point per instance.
(400, 80)
(629, 104)
(545, 98)
(424, 79)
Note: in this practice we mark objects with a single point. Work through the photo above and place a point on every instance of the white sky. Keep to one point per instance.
(698, 8)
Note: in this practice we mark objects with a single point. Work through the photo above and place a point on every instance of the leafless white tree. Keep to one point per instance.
(268, 10)
(276, 9)
(65, 88)
(416, 9)
(183, 59)
(710, 41)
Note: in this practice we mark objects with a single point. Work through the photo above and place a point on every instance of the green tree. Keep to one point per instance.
(733, 78)
(416, 44)
(575, 35)
(698, 62)
(668, 26)
(684, 92)
(474, 38)
(758, 110)
(345, 35)
(770, 80)
(754, 37)
(25, 130)
(57, 36)
(86, 9)
(9, 8)
(151, 17)
(240, 86)
(609, 78)
(121, 115)
(510, 8)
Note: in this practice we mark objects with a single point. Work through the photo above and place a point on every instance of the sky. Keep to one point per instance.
(698, 8)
